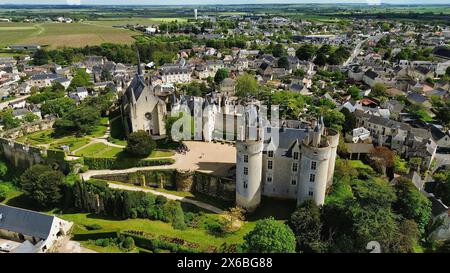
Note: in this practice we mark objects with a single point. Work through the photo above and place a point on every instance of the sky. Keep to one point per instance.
(209, 2)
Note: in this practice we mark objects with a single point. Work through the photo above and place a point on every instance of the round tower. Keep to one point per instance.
(333, 140)
(313, 176)
(248, 173)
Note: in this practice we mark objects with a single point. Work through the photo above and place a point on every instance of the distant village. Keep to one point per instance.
(363, 86)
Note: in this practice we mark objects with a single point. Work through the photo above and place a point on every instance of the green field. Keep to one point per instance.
(199, 236)
(57, 35)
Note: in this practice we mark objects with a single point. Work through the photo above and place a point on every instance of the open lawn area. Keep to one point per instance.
(98, 150)
(60, 35)
(199, 236)
(103, 150)
(46, 138)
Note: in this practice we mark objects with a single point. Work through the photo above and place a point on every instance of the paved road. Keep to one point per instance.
(168, 196)
(355, 53)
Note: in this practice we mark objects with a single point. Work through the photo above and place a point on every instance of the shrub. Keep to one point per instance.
(140, 144)
(93, 227)
(128, 243)
(99, 163)
(215, 226)
(3, 192)
(173, 213)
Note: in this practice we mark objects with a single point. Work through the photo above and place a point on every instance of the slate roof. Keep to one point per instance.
(26, 222)
(416, 97)
(371, 74)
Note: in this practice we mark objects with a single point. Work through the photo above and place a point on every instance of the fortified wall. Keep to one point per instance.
(204, 183)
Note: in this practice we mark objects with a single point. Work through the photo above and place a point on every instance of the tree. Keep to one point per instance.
(381, 158)
(320, 59)
(58, 107)
(246, 85)
(270, 236)
(221, 74)
(442, 189)
(283, 62)
(174, 214)
(4, 190)
(355, 92)
(232, 218)
(412, 204)
(40, 57)
(349, 120)
(9, 121)
(43, 185)
(333, 119)
(106, 75)
(305, 222)
(379, 90)
(3, 169)
(306, 52)
(279, 51)
(81, 120)
(140, 144)
(407, 237)
(30, 117)
(128, 243)
(81, 79)
(447, 71)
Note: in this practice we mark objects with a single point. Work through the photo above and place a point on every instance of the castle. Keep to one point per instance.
(301, 167)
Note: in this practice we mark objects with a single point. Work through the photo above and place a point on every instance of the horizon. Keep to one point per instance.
(218, 2)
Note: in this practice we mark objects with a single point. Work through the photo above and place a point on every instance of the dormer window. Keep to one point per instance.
(270, 153)
(296, 155)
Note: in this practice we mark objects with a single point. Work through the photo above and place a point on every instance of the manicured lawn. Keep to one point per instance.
(199, 236)
(71, 141)
(37, 138)
(45, 137)
(99, 150)
(358, 164)
(103, 150)
(156, 154)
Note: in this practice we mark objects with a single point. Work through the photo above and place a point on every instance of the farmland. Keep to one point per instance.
(58, 35)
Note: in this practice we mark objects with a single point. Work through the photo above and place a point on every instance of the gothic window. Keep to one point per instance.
(296, 155)
(269, 164)
(269, 179)
(245, 184)
(313, 165)
(270, 153)
(246, 158)
(245, 171)
(312, 178)
(293, 182)
(294, 167)
(311, 193)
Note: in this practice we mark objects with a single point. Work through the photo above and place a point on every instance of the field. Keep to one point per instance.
(57, 35)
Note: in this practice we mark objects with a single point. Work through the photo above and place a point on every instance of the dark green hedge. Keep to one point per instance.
(156, 244)
(95, 163)
(94, 236)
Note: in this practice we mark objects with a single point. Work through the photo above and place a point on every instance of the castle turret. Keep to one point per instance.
(318, 158)
(249, 169)
(333, 140)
